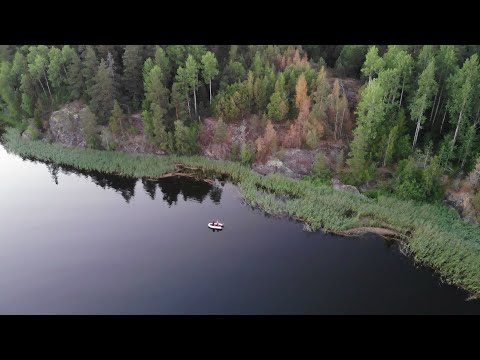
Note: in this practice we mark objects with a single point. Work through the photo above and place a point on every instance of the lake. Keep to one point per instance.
(78, 243)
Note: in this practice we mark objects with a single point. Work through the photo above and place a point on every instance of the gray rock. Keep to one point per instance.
(462, 203)
(337, 185)
(65, 127)
(275, 166)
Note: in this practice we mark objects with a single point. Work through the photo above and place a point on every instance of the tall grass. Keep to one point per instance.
(437, 236)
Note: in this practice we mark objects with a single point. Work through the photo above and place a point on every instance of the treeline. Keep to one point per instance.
(418, 113)
(173, 86)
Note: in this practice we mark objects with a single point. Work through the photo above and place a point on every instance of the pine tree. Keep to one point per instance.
(321, 97)
(132, 74)
(102, 93)
(75, 78)
(89, 128)
(178, 101)
(278, 106)
(161, 59)
(260, 94)
(155, 91)
(27, 88)
(116, 119)
(90, 67)
(370, 118)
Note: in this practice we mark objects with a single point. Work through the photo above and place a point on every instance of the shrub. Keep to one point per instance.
(32, 132)
(321, 170)
(89, 128)
(221, 130)
(247, 155)
(293, 138)
(268, 143)
(108, 141)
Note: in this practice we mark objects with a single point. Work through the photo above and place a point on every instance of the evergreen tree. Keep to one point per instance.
(132, 74)
(102, 93)
(162, 60)
(75, 78)
(116, 119)
(90, 67)
(89, 128)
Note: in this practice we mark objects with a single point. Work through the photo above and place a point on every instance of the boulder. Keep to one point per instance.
(337, 185)
(65, 127)
(275, 166)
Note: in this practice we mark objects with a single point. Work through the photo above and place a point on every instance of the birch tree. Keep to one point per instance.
(423, 97)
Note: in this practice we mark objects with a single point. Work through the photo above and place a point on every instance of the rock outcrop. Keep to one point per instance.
(462, 202)
(65, 126)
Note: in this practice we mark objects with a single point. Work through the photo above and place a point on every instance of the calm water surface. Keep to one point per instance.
(73, 243)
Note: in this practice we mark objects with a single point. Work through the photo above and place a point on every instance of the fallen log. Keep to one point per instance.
(191, 176)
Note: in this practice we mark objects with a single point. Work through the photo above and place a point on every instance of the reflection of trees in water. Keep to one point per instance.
(53, 169)
(171, 187)
(150, 187)
(216, 194)
(189, 188)
(125, 186)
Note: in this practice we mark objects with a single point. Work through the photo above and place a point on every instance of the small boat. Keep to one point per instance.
(217, 226)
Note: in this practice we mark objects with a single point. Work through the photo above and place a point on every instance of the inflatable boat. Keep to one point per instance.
(219, 226)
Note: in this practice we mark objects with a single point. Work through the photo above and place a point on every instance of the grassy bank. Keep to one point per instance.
(436, 236)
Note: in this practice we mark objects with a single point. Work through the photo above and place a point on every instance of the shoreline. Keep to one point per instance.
(434, 236)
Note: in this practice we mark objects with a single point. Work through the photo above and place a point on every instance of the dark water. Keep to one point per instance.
(92, 244)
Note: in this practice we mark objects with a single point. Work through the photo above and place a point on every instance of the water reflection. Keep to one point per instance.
(53, 170)
(150, 187)
(189, 189)
(85, 251)
(171, 188)
(216, 194)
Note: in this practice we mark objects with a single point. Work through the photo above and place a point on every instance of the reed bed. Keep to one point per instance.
(436, 236)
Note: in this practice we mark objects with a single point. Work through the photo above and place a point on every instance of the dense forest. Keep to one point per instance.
(417, 116)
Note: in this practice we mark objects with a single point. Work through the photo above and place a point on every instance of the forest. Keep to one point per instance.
(413, 129)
